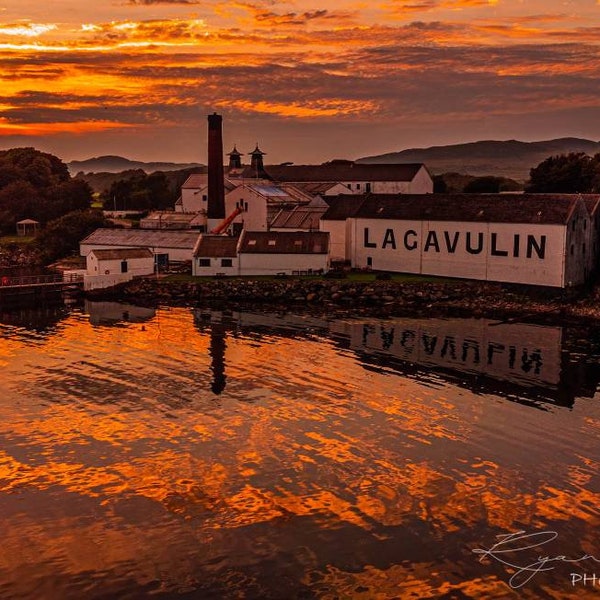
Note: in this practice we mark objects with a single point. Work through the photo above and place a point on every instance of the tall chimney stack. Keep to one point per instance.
(216, 184)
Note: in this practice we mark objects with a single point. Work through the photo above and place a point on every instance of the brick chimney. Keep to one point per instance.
(216, 184)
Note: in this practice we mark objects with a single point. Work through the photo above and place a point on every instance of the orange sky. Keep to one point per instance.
(138, 77)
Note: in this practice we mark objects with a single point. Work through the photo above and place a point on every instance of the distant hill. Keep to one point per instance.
(117, 164)
(510, 158)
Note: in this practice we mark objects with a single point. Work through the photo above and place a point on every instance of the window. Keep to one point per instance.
(272, 242)
(204, 262)
(358, 186)
(368, 188)
(123, 266)
(572, 249)
(226, 262)
(369, 261)
(246, 206)
(204, 197)
(251, 242)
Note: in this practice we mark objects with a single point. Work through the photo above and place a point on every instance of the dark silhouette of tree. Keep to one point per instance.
(37, 185)
(484, 185)
(61, 237)
(566, 174)
(140, 191)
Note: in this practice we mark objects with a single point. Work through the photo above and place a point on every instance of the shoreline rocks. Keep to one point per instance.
(373, 298)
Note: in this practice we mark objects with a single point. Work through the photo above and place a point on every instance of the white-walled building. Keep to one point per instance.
(278, 252)
(537, 239)
(262, 253)
(358, 178)
(216, 255)
(109, 267)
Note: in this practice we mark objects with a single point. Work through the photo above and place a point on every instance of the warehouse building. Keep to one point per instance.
(538, 239)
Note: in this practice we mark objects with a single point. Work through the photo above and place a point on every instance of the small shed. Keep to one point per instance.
(215, 255)
(27, 227)
(109, 267)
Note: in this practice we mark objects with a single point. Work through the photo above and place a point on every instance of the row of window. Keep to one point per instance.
(358, 186)
(206, 262)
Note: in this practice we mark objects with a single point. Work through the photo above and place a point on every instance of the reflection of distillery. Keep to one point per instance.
(522, 362)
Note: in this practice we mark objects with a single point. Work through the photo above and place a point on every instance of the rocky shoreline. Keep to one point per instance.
(380, 299)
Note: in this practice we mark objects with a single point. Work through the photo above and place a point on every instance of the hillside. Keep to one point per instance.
(118, 164)
(510, 158)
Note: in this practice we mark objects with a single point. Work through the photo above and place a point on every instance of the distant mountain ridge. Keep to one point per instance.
(117, 164)
(510, 158)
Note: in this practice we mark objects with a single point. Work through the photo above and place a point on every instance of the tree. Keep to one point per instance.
(37, 185)
(61, 237)
(566, 174)
(140, 191)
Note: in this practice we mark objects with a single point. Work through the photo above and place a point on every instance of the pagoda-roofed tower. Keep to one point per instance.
(235, 159)
(256, 163)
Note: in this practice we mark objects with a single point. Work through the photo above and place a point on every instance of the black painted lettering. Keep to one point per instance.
(470, 345)
(407, 340)
(367, 243)
(449, 345)
(494, 348)
(367, 331)
(531, 361)
(429, 344)
(512, 357)
(431, 241)
(413, 245)
(540, 248)
(389, 239)
(479, 248)
(516, 245)
(451, 244)
(494, 251)
(387, 338)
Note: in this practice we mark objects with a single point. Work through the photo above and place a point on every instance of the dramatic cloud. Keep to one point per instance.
(402, 72)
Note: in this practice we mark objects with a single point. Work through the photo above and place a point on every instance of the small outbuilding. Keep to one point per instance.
(27, 227)
(109, 267)
(215, 255)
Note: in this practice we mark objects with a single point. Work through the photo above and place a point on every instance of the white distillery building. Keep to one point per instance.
(262, 253)
(537, 239)
(167, 246)
(106, 268)
(357, 178)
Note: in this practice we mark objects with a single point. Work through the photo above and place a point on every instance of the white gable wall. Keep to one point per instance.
(194, 199)
(337, 238)
(254, 217)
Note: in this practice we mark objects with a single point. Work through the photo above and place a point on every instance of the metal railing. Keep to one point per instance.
(38, 280)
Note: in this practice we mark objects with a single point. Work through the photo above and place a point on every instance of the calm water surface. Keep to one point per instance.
(186, 454)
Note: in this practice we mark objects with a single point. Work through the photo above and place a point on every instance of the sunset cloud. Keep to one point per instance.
(419, 68)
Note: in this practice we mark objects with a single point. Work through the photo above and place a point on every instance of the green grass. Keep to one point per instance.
(16, 239)
(353, 276)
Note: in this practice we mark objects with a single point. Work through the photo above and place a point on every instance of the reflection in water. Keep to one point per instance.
(217, 354)
(355, 459)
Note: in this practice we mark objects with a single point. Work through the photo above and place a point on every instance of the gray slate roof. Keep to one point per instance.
(122, 253)
(484, 208)
(344, 171)
(284, 242)
(216, 246)
(144, 238)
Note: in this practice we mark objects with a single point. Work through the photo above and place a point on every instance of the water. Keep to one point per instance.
(187, 454)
